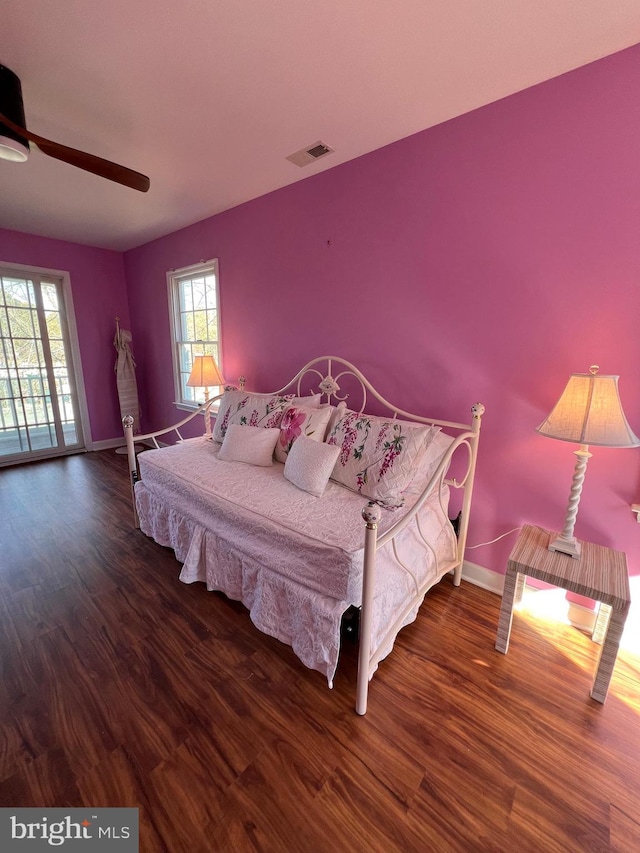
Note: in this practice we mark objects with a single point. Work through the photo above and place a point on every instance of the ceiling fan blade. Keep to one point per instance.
(88, 162)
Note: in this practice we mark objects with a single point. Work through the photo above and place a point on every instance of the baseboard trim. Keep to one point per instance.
(581, 617)
(114, 444)
(485, 578)
(108, 444)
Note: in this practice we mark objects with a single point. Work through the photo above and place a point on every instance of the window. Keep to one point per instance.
(195, 325)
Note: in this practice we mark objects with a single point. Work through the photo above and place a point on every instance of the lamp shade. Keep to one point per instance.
(204, 372)
(590, 412)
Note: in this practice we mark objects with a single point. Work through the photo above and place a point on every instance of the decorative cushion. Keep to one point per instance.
(297, 421)
(258, 410)
(337, 412)
(436, 449)
(379, 457)
(309, 464)
(250, 444)
(311, 400)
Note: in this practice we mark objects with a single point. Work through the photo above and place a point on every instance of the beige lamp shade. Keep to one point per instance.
(590, 412)
(204, 372)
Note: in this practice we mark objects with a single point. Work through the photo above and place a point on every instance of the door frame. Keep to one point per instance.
(74, 351)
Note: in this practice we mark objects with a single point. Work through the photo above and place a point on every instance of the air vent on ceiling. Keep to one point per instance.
(310, 154)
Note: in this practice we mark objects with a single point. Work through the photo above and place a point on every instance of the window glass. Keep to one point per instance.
(193, 293)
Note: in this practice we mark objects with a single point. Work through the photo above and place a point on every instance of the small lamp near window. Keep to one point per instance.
(205, 374)
(588, 412)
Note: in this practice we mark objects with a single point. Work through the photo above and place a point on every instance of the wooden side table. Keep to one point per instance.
(600, 573)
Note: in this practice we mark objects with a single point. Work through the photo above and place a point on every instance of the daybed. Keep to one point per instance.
(269, 509)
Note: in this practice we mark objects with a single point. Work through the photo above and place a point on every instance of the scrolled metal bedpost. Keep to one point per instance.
(372, 515)
(477, 412)
(127, 423)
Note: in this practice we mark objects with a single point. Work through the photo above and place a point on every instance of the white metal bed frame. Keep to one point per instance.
(465, 435)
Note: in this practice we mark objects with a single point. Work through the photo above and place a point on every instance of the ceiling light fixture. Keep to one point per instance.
(12, 146)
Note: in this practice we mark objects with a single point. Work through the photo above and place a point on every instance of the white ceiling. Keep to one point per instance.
(208, 97)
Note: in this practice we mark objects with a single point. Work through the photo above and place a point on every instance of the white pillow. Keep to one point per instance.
(297, 421)
(312, 400)
(253, 445)
(309, 464)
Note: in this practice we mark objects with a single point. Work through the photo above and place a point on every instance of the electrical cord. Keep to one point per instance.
(502, 535)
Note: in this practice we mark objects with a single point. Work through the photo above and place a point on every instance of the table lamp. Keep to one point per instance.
(588, 412)
(204, 374)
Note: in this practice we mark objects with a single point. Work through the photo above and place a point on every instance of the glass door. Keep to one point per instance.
(38, 400)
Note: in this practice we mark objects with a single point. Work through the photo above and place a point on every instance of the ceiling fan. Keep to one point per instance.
(15, 139)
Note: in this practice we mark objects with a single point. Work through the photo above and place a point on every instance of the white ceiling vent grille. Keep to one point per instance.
(310, 154)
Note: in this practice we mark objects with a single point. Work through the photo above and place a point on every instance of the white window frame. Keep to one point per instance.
(72, 330)
(197, 347)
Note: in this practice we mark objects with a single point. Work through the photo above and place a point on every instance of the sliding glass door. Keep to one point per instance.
(39, 412)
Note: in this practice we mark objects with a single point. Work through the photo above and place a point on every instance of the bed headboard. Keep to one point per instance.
(340, 381)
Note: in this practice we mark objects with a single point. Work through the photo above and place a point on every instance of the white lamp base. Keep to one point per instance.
(569, 546)
(566, 542)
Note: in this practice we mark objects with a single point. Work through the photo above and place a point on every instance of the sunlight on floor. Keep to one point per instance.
(631, 636)
(551, 605)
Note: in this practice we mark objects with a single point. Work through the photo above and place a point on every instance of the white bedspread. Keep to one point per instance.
(293, 559)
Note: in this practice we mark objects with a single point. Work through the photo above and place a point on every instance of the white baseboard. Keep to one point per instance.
(482, 577)
(581, 617)
(114, 443)
(108, 444)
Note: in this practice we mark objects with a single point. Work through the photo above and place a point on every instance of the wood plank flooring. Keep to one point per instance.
(122, 686)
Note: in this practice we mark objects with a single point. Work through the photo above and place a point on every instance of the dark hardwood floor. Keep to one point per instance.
(122, 686)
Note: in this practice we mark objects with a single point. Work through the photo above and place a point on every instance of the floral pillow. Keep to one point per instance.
(379, 457)
(301, 420)
(429, 462)
(337, 412)
(259, 410)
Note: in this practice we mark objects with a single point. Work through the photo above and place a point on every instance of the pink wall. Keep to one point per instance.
(99, 295)
(484, 259)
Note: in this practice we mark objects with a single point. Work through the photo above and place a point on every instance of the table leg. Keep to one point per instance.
(511, 595)
(608, 655)
(520, 583)
(602, 623)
